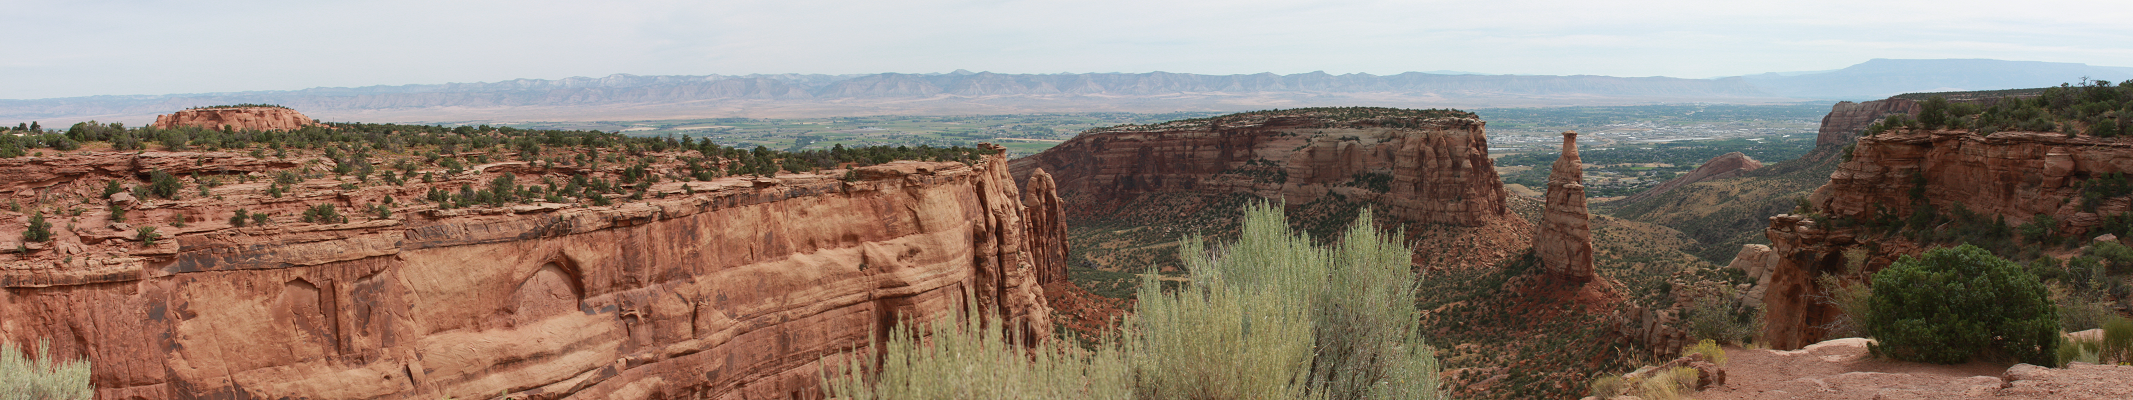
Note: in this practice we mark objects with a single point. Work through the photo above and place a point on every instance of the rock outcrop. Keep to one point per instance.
(2013, 175)
(727, 289)
(237, 118)
(2016, 177)
(1431, 172)
(1847, 119)
(1724, 166)
(1048, 228)
(1757, 261)
(1565, 239)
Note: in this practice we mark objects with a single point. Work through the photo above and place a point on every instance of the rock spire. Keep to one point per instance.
(1565, 242)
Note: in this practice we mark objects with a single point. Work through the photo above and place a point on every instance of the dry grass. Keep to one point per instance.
(1268, 317)
(41, 376)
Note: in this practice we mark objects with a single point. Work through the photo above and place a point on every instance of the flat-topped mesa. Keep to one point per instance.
(736, 287)
(1565, 240)
(257, 118)
(1424, 167)
(1421, 168)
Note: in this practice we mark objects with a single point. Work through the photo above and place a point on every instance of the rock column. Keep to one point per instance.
(1565, 242)
(1046, 216)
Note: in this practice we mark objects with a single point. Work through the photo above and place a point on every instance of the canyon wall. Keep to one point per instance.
(738, 288)
(1439, 172)
(237, 118)
(1429, 173)
(2017, 177)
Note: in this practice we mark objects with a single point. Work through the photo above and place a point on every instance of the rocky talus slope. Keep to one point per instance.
(237, 118)
(727, 289)
(1565, 241)
(1428, 173)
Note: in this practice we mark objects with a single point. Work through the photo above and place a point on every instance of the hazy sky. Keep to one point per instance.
(79, 48)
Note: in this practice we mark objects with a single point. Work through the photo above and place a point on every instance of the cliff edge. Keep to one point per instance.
(728, 288)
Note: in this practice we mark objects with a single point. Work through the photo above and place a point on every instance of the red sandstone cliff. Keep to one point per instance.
(1847, 119)
(735, 291)
(2015, 176)
(1565, 240)
(1431, 173)
(238, 118)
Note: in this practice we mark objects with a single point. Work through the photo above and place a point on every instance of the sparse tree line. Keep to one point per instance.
(372, 154)
(2096, 108)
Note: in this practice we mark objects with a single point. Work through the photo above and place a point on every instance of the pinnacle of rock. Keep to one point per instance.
(1565, 241)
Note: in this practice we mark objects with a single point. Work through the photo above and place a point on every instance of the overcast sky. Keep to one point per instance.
(80, 48)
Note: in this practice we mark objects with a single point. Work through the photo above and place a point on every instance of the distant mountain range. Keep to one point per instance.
(633, 97)
(1880, 78)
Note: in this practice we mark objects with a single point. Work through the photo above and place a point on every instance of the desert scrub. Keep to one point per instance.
(1718, 313)
(1952, 304)
(1269, 316)
(1341, 318)
(959, 357)
(41, 376)
(1709, 349)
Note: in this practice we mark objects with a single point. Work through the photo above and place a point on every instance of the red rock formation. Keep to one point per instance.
(1440, 171)
(238, 118)
(2015, 176)
(1724, 166)
(1048, 228)
(738, 290)
(1847, 119)
(1565, 240)
(1432, 173)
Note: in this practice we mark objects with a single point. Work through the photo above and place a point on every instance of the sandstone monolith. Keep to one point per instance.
(1047, 227)
(1565, 241)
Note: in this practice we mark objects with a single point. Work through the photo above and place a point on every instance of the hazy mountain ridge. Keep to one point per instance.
(624, 96)
(659, 90)
(1881, 77)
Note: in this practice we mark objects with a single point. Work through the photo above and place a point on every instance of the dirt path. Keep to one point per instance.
(1842, 369)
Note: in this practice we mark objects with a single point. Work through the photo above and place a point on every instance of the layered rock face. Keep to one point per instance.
(1565, 240)
(1724, 166)
(2015, 176)
(739, 290)
(1428, 172)
(1048, 228)
(1436, 171)
(1847, 119)
(238, 118)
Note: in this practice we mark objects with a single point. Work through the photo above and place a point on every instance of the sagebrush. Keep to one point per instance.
(1269, 316)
